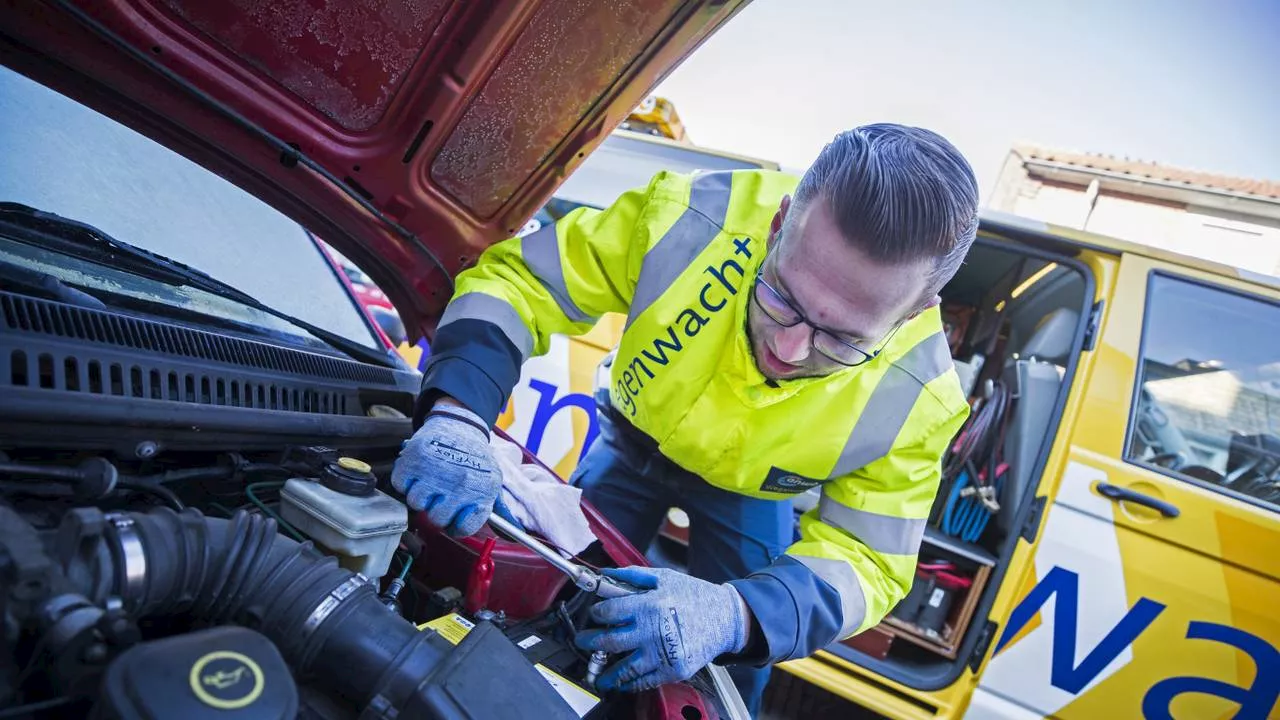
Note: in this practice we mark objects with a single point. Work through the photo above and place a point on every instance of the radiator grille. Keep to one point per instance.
(75, 373)
(50, 318)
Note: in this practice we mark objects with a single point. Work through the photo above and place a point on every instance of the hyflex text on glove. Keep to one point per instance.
(448, 470)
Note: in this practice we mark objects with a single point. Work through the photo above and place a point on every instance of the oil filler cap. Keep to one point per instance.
(349, 476)
(224, 673)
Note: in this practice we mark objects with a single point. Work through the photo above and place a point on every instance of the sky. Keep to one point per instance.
(1188, 83)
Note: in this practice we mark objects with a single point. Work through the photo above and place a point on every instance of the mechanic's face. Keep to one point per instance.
(815, 272)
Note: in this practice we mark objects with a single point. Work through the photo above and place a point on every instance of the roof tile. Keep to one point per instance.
(1151, 170)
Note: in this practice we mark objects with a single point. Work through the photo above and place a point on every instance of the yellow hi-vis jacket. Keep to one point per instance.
(679, 258)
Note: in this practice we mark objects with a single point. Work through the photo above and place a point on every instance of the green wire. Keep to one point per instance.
(408, 563)
(253, 498)
(222, 509)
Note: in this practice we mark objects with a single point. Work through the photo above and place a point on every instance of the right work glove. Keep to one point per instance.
(448, 470)
(676, 628)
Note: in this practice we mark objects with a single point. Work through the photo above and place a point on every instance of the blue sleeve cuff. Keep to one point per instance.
(797, 612)
(473, 362)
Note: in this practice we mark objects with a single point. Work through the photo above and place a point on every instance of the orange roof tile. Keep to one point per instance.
(1140, 169)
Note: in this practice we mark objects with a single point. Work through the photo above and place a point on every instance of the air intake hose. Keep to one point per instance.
(326, 621)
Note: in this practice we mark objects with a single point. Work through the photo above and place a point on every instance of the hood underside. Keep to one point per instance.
(410, 134)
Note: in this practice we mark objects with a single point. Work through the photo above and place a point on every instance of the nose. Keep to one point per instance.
(792, 344)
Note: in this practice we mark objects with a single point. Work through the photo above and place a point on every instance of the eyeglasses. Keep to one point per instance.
(831, 346)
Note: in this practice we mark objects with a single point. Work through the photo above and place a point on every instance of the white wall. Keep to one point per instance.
(1250, 243)
(1050, 203)
(1236, 239)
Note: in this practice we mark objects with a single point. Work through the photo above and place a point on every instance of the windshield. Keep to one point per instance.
(61, 157)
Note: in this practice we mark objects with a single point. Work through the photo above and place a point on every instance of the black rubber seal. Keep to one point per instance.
(347, 481)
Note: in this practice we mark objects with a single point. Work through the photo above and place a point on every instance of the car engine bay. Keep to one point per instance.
(196, 525)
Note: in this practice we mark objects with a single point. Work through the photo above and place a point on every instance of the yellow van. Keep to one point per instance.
(1132, 567)
(1115, 552)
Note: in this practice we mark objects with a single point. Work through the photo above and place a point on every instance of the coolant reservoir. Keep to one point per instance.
(347, 516)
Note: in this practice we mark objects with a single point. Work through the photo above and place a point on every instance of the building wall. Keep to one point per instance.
(1052, 203)
(1251, 243)
(1245, 241)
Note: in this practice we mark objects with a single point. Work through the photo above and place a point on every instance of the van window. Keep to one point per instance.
(1208, 396)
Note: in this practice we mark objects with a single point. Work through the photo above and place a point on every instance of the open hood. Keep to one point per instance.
(410, 134)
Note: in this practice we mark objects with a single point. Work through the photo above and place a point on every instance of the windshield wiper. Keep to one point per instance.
(38, 284)
(78, 239)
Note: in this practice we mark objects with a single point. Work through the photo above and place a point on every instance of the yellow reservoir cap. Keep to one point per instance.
(348, 463)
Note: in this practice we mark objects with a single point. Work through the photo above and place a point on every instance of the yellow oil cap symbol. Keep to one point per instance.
(227, 680)
(350, 463)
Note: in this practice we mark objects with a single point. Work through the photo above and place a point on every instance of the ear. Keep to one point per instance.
(778, 218)
(932, 302)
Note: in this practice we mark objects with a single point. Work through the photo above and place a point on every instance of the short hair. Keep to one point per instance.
(901, 194)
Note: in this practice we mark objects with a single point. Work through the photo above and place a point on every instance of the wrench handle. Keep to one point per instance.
(537, 546)
(604, 586)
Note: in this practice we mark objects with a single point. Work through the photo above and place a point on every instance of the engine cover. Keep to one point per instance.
(223, 673)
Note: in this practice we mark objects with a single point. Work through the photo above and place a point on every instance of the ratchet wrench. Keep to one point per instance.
(585, 578)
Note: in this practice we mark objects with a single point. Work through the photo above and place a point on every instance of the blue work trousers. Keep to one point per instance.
(730, 535)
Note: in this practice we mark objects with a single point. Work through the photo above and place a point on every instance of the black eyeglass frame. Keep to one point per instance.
(814, 329)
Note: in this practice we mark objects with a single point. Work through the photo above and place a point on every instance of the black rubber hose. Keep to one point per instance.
(214, 472)
(164, 493)
(327, 621)
(94, 478)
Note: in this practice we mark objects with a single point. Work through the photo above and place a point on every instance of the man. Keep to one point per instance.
(780, 336)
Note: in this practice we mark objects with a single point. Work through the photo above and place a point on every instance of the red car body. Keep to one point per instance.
(410, 136)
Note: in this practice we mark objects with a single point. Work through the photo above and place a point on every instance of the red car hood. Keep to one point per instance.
(410, 134)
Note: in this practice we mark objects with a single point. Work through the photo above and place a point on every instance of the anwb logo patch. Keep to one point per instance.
(782, 481)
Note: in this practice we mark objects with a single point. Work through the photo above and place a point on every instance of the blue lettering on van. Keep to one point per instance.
(422, 344)
(1066, 585)
(1255, 701)
(426, 354)
(548, 406)
(664, 348)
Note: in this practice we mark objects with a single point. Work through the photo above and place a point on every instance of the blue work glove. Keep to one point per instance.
(676, 628)
(448, 470)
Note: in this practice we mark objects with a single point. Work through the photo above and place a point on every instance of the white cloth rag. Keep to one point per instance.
(539, 500)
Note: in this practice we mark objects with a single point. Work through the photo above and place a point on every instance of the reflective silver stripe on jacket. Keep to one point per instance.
(883, 533)
(478, 306)
(696, 227)
(541, 253)
(890, 404)
(841, 577)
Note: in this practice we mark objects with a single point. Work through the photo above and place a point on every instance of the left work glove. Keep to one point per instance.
(447, 469)
(672, 631)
